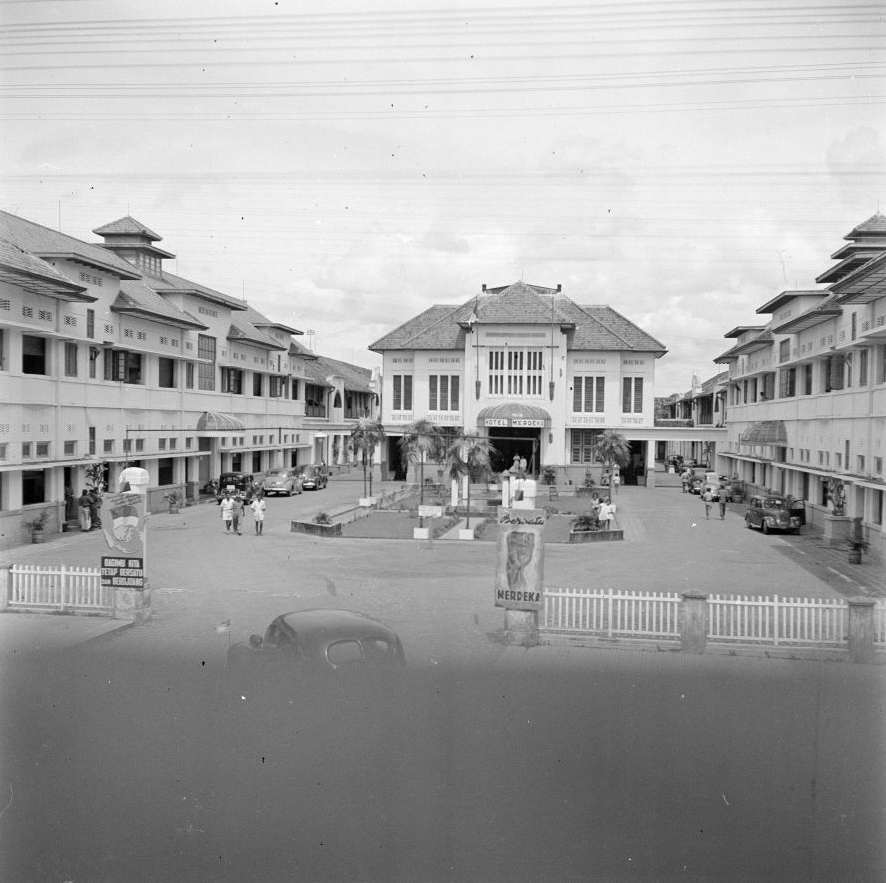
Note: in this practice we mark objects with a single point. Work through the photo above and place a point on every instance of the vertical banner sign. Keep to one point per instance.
(519, 570)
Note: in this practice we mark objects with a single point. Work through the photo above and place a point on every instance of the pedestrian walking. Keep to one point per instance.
(227, 510)
(236, 513)
(258, 514)
(722, 499)
(708, 500)
(616, 480)
(84, 511)
(684, 480)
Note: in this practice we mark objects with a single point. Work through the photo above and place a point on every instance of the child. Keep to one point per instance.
(258, 514)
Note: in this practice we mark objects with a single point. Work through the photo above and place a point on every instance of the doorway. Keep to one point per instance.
(510, 442)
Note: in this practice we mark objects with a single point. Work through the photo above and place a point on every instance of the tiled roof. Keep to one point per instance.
(169, 283)
(595, 327)
(242, 330)
(355, 378)
(17, 267)
(126, 226)
(42, 241)
(298, 349)
(875, 225)
(138, 297)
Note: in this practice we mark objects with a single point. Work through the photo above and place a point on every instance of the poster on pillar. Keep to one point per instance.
(123, 523)
(519, 569)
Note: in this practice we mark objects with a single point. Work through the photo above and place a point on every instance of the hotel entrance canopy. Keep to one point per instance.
(514, 414)
(215, 424)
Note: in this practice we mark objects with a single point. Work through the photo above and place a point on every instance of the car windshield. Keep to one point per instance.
(276, 475)
(774, 503)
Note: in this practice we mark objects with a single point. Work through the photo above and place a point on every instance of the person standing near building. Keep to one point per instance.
(604, 514)
(258, 514)
(721, 492)
(84, 510)
(227, 510)
(95, 505)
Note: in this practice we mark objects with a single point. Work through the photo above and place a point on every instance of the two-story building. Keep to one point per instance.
(538, 374)
(108, 357)
(806, 390)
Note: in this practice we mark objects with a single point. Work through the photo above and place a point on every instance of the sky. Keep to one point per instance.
(343, 166)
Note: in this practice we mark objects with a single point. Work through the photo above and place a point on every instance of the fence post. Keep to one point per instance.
(861, 630)
(694, 633)
(5, 585)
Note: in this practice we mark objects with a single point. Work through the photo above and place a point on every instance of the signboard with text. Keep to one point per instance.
(123, 572)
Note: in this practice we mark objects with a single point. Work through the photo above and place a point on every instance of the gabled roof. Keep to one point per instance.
(298, 349)
(245, 331)
(167, 283)
(355, 378)
(127, 226)
(139, 299)
(786, 297)
(46, 243)
(23, 270)
(443, 326)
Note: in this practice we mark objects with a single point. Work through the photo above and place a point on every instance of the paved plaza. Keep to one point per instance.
(438, 593)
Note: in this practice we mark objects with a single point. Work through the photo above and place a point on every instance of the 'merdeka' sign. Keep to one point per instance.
(519, 572)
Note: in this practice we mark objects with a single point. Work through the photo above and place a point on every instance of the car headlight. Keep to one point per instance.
(769, 520)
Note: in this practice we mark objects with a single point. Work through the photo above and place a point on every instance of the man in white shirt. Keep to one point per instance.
(227, 510)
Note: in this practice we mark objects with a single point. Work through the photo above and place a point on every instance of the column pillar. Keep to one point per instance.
(694, 633)
(861, 630)
(5, 585)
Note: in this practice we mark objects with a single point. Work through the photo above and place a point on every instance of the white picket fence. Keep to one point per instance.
(68, 589)
(731, 618)
(612, 613)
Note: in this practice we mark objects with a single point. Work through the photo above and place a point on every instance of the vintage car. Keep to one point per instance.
(236, 482)
(696, 483)
(772, 512)
(309, 644)
(313, 478)
(282, 481)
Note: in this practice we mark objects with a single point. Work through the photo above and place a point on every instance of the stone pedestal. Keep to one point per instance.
(421, 533)
(132, 604)
(694, 634)
(836, 529)
(521, 628)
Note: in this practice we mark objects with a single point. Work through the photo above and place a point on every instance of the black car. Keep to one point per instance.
(237, 482)
(305, 645)
(314, 478)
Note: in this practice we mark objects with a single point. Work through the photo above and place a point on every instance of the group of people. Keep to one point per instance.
(89, 510)
(233, 506)
(708, 499)
(604, 510)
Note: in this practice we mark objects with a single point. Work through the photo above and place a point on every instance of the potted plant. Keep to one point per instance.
(37, 526)
(857, 543)
(549, 475)
(175, 499)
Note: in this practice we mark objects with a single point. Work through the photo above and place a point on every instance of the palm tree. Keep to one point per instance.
(422, 440)
(612, 448)
(470, 454)
(366, 436)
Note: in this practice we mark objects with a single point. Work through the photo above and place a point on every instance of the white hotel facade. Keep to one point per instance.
(531, 369)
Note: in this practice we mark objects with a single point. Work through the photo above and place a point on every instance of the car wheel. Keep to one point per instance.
(765, 527)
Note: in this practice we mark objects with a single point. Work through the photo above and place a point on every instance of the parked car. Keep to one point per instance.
(282, 481)
(771, 512)
(313, 478)
(237, 482)
(696, 483)
(310, 644)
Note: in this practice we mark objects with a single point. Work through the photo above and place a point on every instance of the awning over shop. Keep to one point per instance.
(213, 422)
(513, 414)
(767, 432)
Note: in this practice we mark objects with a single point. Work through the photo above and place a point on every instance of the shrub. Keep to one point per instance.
(586, 521)
(321, 518)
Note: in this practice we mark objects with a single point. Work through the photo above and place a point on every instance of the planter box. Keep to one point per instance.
(319, 530)
(595, 536)
(421, 533)
(585, 491)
